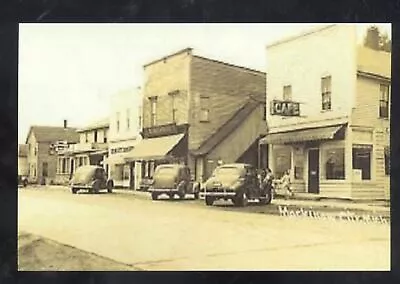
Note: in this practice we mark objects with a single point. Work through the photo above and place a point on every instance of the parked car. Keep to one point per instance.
(22, 180)
(237, 182)
(91, 178)
(173, 179)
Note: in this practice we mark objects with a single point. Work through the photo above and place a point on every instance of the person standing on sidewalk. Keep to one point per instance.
(286, 183)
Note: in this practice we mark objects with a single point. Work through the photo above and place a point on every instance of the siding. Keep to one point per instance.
(228, 89)
(244, 136)
(161, 78)
(302, 63)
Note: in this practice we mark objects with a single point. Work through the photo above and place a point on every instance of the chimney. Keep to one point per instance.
(65, 123)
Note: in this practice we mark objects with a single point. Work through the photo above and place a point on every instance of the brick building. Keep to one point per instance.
(42, 153)
(199, 111)
(329, 119)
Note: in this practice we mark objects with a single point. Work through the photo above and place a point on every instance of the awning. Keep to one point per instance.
(98, 152)
(115, 159)
(154, 148)
(302, 135)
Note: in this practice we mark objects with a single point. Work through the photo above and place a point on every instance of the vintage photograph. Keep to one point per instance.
(254, 147)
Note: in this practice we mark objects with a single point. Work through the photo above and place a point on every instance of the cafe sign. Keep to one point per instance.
(285, 108)
(163, 130)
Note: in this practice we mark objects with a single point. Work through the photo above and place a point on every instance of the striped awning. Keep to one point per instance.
(302, 135)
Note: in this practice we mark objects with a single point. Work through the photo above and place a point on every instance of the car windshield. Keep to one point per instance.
(166, 171)
(223, 171)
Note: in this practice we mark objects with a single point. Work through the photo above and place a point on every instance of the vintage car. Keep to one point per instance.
(22, 180)
(173, 179)
(91, 178)
(237, 182)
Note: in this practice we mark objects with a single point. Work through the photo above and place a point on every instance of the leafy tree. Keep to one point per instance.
(377, 40)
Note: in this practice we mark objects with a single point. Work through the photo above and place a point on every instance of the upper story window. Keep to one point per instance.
(387, 160)
(384, 101)
(287, 93)
(36, 150)
(95, 136)
(140, 117)
(86, 137)
(204, 109)
(117, 121)
(264, 112)
(153, 120)
(128, 119)
(326, 92)
(174, 108)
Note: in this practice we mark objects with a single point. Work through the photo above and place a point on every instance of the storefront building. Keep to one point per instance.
(329, 119)
(191, 105)
(92, 149)
(125, 122)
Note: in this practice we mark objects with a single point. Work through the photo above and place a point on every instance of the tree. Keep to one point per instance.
(377, 40)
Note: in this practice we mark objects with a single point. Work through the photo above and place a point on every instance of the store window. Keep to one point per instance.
(64, 166)
(126, 172)
(298, 163)
(326, 92)
(45, 168)
(362, 160)
(334, 164)
(387, 160)
(282, 160)
(117, 172)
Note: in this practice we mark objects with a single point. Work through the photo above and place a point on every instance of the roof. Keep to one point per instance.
(227, 128)
(190, 50)
(53, 133)
(103, 123)
(22, 150)
(370, 61)
(306, 33)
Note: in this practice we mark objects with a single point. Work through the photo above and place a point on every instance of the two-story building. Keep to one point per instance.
(43, 143)
(23, 160)
(328, 113)
(92, 149)
(124, 134)
(199, 111)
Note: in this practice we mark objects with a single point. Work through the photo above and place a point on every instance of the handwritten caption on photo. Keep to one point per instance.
(347, 215)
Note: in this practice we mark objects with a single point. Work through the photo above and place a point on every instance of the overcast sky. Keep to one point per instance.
(69, 71)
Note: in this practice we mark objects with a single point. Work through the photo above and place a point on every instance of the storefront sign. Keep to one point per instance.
(121, 150)
(163, 130)
(285, 108)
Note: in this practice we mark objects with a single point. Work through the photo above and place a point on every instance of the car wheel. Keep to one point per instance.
(242, 200)
(267, 198)
(74, 190)
(110, 186)
(154, 196)
(209, 200)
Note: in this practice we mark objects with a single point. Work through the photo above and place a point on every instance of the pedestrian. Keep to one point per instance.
(268, 181)
(285, 181)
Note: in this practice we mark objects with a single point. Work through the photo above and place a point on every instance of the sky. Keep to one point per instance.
(70, 71)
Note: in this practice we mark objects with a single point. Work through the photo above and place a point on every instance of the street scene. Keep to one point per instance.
(140, 149)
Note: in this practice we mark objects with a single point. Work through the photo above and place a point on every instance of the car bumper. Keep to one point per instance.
(162, 190)
(219, 193)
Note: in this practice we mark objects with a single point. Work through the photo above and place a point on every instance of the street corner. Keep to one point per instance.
(36, 253)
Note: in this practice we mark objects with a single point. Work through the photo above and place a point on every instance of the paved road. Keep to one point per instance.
(164, 235)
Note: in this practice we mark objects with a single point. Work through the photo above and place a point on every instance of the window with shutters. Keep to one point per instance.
(204, 109)
(287, 93)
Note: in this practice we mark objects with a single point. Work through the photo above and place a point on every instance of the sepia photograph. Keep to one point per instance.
(204, 147)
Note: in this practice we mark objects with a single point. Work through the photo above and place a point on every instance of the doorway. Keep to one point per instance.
(313, 171)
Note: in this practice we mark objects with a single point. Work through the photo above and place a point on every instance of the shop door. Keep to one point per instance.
(313, 171)
(132, 175)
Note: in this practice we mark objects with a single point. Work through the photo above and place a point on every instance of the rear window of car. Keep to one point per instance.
(166, 171)
(228, 171)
